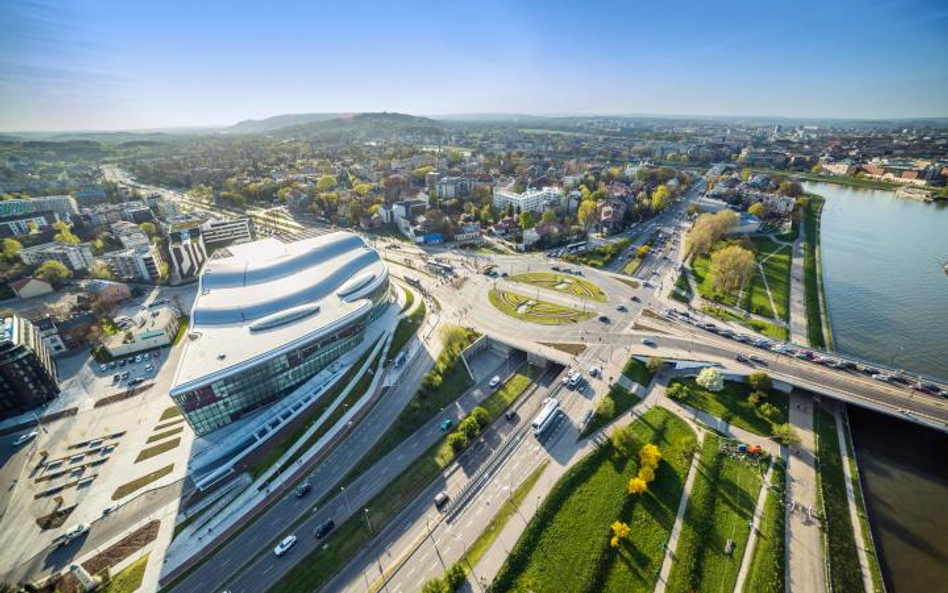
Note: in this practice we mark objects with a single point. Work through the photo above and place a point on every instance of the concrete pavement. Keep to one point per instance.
(805, 562)
(798, 334)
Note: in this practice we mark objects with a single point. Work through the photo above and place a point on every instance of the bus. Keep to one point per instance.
(544, 419)
(578, 246)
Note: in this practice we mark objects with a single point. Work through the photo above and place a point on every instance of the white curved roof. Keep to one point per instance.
(263, 297)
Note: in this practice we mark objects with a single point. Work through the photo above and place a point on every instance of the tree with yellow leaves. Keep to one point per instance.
(646, 473)
(650, 456)
(620, 531)
(637, 486)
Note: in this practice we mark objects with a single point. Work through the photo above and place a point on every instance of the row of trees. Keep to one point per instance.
(649, 458)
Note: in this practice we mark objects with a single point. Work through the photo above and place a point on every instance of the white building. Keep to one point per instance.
(75, 257)
(149, 329)
(228, 231)
(532, 200)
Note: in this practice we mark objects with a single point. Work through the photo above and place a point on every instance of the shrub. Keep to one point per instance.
(646, 474)
(455, 576)
(480, 416)
(606, 407)
(435, 586)
(637, 486)
(650, 456)
(753, 398)
(759, 381)
(655, 363)
(785, 435)
(624, 440)
(711, 379)
(678, 392)
(768, 411)
(457, 441)
(469, 427)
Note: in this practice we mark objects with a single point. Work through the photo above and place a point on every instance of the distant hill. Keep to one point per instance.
(363, 124)
(277, 122)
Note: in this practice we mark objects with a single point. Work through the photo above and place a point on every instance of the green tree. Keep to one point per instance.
(455, 577)
(678, 392)
(790, 188)
(470, 428)
(53, 272)
(65, 235)
(586, 214)
(768, 410)
(785, 435)
(481, 416)
(548, 216)
(661, 198)
(759, 381)
(757, 209)
(526, 220)
(746, 174)
(435, 586)
(325, 183)
(655, 363)
(101, 270)
(730, 267)
(149, 229)
(457, 441)
(711, 379)
(11, 247)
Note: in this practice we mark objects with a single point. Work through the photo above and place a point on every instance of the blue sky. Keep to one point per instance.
(124, 64)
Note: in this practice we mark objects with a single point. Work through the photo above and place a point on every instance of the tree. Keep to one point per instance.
(642, 251)
(470, 428)
(624, 440)
(11, 247)
(757, 209)
(678, 392)
(149, 229)
(102, 271)
(730, 267)
(759, 381)
(548, 217)
(650, 455)
(637, 486)
(790, 188)
(325, 183)
(455, 576)
(661, 198)
(526, 220)
(711, 379)
(768, 411)
(655, 363)
(646, 474)
(708, 229)
(480, 416)
(435, 586)
(457, 441)
(65, 235)
(53, 272)
(606, 408)
(620, 531)
(586, 214)
(746, 174)
(785, 435)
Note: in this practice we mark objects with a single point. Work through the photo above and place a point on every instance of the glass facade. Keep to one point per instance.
(226, 400)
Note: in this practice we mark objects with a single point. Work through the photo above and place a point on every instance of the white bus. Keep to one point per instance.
(551, 408)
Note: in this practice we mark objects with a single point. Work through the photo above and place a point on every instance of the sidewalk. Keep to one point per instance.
(798, 333)
(805, 562)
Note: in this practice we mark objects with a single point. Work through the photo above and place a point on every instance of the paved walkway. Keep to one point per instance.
(853, 511)
(676, 528)
(754, 532)
(797, 296)
(806, 572)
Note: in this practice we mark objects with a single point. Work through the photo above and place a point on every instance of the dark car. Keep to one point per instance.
(741, 358)
(324, 529)
(636, 299)
(603, 319)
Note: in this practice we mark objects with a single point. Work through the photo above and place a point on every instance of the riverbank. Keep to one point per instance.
(819, 331)
(846, 180)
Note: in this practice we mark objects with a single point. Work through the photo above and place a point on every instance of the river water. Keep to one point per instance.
(887, 297)
(886, 290)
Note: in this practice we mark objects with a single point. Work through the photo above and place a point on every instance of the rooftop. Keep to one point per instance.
(264, 297)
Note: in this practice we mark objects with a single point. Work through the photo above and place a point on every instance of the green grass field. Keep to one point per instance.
(611, 406)
(637, 371)
(719, 509)
(407, 327)
(811, 286)
(841, 553)
(562, 283)
(565, 548)
(864, 527)
(767, 572)
(534, 311)
(138, 483)
(731, 404)
(129, 579)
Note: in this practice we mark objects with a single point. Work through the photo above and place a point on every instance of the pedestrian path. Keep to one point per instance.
(806, 569)
(798, 333)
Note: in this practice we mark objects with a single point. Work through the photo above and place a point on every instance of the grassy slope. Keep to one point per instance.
(636, 370)
(845, 573)
(767, 569)
(565, 548)
(541, 312)
(720, 508)
(864, 527)
(771, 330)
(811, 290)
(619, 401)
(731, 404)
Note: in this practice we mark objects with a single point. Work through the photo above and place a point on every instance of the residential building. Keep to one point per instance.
(77, 258)
(30, 287)
(269, 316)
(90, 197)
(17, 225)
(532, 200)
(64, 206)
(150, 329)
(187, 250)
(49, 333)
(27, 372)
(454, 187)
(136, 263)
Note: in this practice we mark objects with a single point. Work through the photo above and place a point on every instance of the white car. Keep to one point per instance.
(284, 546)
(494, 382)
(76, 531)
(24, 438)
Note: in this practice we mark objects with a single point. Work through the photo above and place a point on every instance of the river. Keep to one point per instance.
(887, 297)
(886, 290)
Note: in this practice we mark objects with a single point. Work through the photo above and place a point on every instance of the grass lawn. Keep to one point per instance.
(275, 450)
(409, 299)
(682, 291)
(534, 311)
(754, 299)
(704, 282)
(182, 329)
(158, 449)
(777, 272)
(565, 548)
(720, 508)
(138, 483)
(163, 435)
(767, 572)
(562, 283)
(129, 579)
(169, 424)
(492, 531)
(731, 404)
(601, 256)
(628, 281)
(611, 406)
(811, 287)
(406, 328)
(500, 400)
(637, 371)
(633, 266)
(845, 573)
(864, 527)
(169, 413)
(771, 330)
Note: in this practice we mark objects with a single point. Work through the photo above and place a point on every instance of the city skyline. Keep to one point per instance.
(106, 66)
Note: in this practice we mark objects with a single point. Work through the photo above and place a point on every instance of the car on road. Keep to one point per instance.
(635, 299)
(108, 510)
(324, 529)
(123, 362)
(116, 378)
(494, 382)
(149, 368)
(102, 368)
(648, 342)
(124, 375)
(757, 359)
(284, 546)
(441, 499)
(135, 381)
(24, 438)
(446, 424)
(604, 319)
(741, 359)
(76, 531)
(510, 415)
(881, 377)
(301, 490)
(112, 365)
(621, 308)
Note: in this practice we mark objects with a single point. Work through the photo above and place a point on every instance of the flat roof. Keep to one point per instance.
(267, 296)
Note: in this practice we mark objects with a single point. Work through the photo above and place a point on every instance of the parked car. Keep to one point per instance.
(441, 499)
(284, 546)
(648, 342)
(604, 319)
(494, 382)
(324, 529)
(621, 308)
(102, 368)
(116, 378)
(24, 438)
(741, 359)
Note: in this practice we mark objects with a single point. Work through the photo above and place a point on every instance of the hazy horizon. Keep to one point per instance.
(104, 65)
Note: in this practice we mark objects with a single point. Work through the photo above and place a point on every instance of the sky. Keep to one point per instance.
(139, 64)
